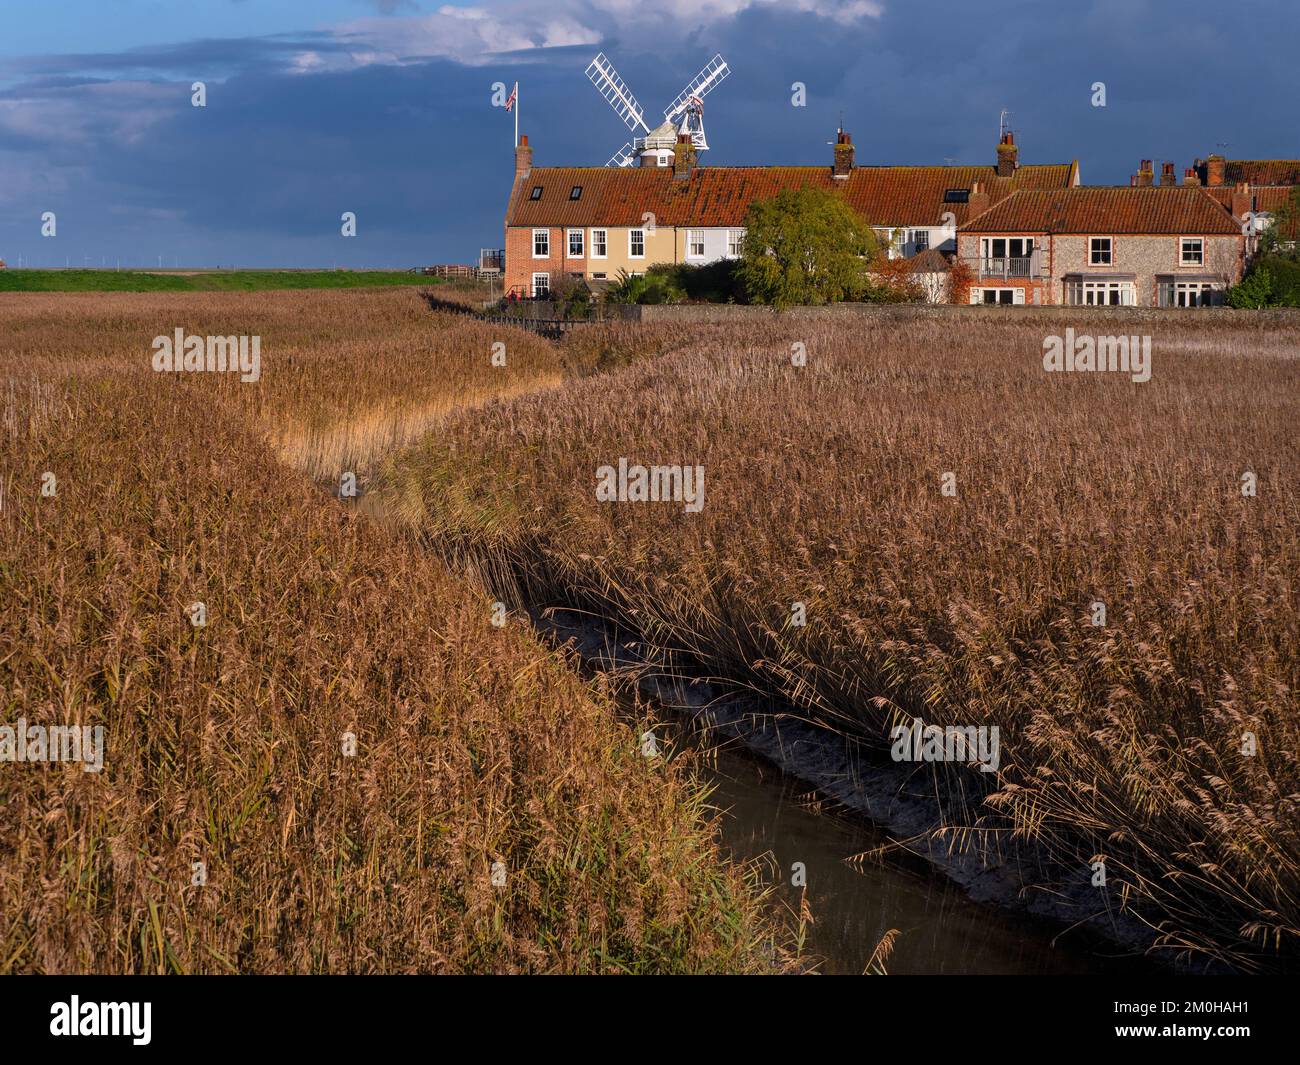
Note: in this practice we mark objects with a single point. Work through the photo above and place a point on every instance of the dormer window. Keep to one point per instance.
(575, 193)
(537, 193)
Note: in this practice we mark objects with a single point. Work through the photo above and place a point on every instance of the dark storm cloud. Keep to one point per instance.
(230, 54)
(262, 174)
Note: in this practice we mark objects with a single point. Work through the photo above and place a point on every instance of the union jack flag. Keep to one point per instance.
(510, 100)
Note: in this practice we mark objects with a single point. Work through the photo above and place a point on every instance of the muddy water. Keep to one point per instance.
(776, 819)
(770, 816)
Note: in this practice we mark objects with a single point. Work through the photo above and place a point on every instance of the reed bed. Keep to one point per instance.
(1123, 743)
(496, 815)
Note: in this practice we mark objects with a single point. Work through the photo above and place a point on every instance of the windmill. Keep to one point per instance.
(684, 115)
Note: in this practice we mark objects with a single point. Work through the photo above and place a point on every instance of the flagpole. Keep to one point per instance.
(516, 114)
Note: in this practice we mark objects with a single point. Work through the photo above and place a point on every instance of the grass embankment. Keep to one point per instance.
(225, 743)
(12, 280)
(1122, 743)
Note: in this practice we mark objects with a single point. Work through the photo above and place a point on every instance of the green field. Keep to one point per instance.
(222, 280)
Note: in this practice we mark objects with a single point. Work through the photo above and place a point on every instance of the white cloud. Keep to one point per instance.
(693, 13)
(476, 34)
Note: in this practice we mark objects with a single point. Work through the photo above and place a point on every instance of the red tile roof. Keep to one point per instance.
(1266, 198)
(930, 261)
(720, 196)
(1153, 209)
(1263, 197)
(1262, 171)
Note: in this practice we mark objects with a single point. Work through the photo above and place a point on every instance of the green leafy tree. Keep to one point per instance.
(1279, 238)
(1272, 282)
(1254, 291)
(805, 246)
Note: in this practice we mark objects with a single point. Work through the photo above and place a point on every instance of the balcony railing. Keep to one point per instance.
(1006, 267)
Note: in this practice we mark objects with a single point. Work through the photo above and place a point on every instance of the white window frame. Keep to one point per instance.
(581, 234)
(691, 235)
(1183, 242)
(1126, 290)
(1193, 293)
(630, 234)
(1110, 252)
(1017, 295)
(546, 239)
(603, 243)
(532, 289)
(1027, 247)
(735, 243)
(916, 236)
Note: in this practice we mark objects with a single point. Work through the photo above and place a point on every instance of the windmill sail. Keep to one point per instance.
(616, 93)
(708, 79)
(625, 156)
(684, 115)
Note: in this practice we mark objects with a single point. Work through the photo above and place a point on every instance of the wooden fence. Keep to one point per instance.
(544, 326)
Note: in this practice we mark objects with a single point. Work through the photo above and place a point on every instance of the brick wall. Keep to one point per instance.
(1121, 317)
(520, 264)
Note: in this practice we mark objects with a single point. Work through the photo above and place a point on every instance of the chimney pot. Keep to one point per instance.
(1008, 155)
(842, 165)
(1241, 199)
(523, 156)
(683, 156)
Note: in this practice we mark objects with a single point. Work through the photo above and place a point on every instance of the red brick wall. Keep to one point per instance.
(520, 264)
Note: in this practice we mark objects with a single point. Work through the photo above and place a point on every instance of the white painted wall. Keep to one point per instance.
(715, 245)
(903, 243)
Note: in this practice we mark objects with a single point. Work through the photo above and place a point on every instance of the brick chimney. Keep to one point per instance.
(683, 157)
(1191, 177)
(1146, 174)
(1241, 199)
(523, 157)
(1214, 166)
(843, 156)
(1008, 155)
(1167, 175)
(978, 200)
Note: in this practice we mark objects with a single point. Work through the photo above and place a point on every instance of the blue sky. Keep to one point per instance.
(383, 107)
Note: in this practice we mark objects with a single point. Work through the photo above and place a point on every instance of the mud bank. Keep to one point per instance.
(889, 794)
